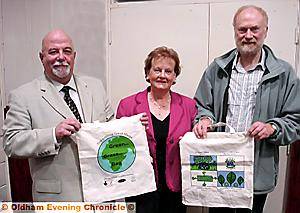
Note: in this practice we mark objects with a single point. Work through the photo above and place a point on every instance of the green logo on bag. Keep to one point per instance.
(116, 153)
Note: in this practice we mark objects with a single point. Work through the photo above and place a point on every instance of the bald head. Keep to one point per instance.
(54, 34)
(58, 56)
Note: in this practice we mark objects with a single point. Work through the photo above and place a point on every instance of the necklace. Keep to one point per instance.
(161, 109)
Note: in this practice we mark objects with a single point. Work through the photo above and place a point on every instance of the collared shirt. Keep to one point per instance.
(242, 94)
(73, 93)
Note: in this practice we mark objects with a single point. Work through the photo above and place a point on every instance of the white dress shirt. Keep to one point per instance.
(75, 97)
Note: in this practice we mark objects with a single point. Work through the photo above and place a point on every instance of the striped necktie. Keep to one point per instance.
(71, 103)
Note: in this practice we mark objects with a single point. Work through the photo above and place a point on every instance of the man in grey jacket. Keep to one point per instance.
(253, 91)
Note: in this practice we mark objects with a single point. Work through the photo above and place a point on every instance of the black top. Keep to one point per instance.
(161, 130)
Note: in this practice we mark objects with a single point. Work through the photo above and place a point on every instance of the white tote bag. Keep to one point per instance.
(217, 171)
(114, 159)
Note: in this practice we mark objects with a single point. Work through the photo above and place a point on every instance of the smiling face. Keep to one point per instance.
(162, 75)
(58, 56)
(250, 28)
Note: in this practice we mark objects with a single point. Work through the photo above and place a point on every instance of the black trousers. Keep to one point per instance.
(258, 206)
(162, 201)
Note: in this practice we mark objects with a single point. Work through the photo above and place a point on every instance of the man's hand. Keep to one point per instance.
(201, 128)
(145, 120)
(66, 128)
(260, 130)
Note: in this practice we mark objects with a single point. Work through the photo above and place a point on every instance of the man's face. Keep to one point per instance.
(250, 30)
(58, 57)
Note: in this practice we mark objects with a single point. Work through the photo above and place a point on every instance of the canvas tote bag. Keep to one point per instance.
(217, 171)
(114, 159)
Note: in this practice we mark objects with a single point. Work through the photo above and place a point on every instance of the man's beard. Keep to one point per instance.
(61, 72)
(246, 49)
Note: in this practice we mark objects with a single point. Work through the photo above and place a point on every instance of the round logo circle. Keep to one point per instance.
(116, 154)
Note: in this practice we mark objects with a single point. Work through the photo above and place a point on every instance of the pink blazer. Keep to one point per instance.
(182, 113)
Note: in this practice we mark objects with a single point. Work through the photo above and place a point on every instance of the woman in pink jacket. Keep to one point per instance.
(170, 116)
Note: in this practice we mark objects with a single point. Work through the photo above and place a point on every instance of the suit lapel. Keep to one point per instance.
(176, 112)
(143, 106)
(51, 95)
(86, 99)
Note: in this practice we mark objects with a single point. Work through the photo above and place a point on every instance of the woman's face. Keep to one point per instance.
(162, 74)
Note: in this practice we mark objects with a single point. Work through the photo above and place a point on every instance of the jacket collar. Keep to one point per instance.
(225, 61)
(51, 95)
(273, 66)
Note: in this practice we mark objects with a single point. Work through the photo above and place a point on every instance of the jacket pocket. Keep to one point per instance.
(48, 186)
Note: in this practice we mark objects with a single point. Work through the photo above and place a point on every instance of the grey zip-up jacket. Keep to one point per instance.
(277, 101)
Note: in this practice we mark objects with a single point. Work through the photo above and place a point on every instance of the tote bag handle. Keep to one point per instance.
(220, 124)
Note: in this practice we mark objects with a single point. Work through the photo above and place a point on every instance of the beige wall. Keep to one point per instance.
(112, 41)
(25, 23)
